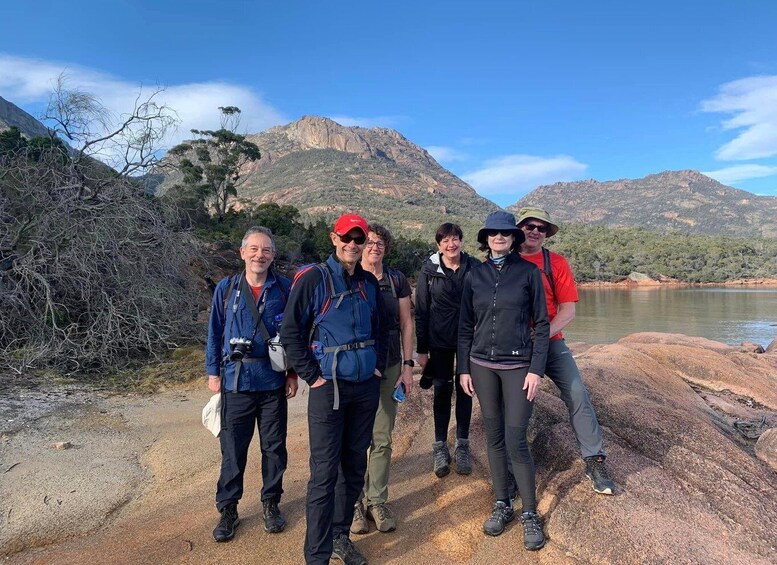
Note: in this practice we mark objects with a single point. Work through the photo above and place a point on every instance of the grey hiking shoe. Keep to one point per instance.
(596, 470)
(501, 515)
(442, 458)
(344, 550)
(533, 538)
(359, 524)
(461, 456)
(383, 517)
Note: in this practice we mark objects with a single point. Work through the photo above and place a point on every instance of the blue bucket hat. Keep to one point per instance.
(500, 221)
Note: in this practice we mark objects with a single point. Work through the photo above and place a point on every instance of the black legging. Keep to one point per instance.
(506, 413)
(442, 371)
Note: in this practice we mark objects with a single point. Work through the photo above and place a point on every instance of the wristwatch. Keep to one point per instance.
(409, 362)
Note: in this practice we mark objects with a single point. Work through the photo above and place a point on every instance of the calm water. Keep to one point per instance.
(730, 315)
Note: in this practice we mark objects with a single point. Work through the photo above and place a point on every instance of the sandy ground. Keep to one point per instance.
(137, 486)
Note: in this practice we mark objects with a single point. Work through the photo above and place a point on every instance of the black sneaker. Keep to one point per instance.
(442, 458)
(596, 470)
(501, 515)
(345, 551)
(225, 530)
(273, 520)
(533, 538)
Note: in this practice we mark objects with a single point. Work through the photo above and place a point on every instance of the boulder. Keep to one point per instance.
(772, 347)
(686, 489)
(766, 448)
(750, 347)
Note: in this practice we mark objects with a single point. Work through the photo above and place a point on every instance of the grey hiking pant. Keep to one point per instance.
(562, 370)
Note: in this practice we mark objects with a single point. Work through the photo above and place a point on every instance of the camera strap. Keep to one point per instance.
(256, 311)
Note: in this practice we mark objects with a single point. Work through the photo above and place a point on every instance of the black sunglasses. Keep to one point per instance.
(532, 227)
(505, 233)
(348, 238)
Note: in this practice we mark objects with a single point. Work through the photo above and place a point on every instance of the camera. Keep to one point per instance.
(240, 348)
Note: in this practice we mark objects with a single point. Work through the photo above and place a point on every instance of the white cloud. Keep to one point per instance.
(752, 103)
(446, 154)
(374, 122)
(518, 174)
(24, 80)
(738, 173)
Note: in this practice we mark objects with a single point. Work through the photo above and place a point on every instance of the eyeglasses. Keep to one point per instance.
(494, 233)
(378, 244)
(532, 227)
(348, 238)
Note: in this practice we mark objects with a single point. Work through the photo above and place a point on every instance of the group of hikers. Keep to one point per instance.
(491, 328)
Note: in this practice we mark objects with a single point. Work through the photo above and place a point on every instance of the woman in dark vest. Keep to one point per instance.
(399, 371)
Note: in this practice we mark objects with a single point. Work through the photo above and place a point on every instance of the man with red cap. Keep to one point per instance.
(336, 336)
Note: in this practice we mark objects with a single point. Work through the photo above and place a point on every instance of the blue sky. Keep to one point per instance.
(507, 95)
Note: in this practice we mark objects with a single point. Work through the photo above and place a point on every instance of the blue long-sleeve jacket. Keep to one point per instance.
(258, 375)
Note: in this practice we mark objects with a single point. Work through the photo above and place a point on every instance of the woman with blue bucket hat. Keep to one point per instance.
(502, 347)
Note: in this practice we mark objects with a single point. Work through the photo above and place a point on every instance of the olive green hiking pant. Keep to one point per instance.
(376, 482)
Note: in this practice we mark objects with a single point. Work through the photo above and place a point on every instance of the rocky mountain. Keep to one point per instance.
(325, 169)
(687, 201)
(11, 115)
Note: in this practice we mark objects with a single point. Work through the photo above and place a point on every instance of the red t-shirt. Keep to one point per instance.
(257, 290)
(563, 279)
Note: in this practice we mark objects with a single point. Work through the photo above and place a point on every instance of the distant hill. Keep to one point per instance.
(673, 200)
(324, 169)
(11, 115)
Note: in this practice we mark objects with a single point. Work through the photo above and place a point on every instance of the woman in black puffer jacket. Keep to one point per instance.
(502, 348)
(438, 299)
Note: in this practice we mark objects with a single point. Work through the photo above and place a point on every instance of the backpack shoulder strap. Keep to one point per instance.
(548, 271)
(391, 280)
(232, 284)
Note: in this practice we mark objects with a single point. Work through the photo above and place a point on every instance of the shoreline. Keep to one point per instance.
(629, 284)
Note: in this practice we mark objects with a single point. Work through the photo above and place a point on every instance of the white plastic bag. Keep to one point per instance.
(211, 415)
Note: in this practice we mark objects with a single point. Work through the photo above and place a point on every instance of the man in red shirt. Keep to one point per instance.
(561, 295)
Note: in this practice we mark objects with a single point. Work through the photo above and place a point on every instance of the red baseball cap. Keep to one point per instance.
(348, 222)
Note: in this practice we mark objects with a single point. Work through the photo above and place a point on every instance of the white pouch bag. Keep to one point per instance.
(211, 415)
(277, 354)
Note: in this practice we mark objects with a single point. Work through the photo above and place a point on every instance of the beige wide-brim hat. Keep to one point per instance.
(538, 214)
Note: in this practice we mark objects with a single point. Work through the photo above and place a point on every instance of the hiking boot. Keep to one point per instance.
(533, 538)
(273, 520)
(461, 455)
(596, 470)
(225, 530)
(359, 525)
(383, 517)
(501, 515)
(345, 551)
(512, 486)
(442, 458)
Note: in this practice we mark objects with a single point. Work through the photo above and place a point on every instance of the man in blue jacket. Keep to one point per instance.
(336, 336)
(243, 315)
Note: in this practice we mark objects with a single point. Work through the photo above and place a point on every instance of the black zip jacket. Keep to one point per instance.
(437, 303)
(496, 310)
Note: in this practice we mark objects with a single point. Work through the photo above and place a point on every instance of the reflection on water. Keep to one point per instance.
(730, 315)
